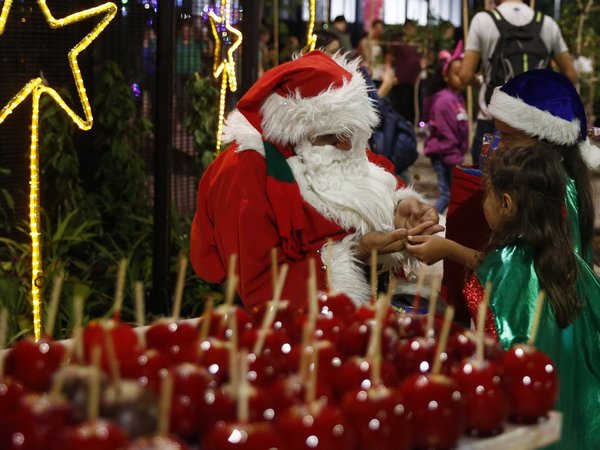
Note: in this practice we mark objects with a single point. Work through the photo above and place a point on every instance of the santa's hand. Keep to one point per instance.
(426, 228)
(412, 212)
(382, 241)
(426, 248)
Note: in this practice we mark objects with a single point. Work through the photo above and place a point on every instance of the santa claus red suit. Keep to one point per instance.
(274, 187)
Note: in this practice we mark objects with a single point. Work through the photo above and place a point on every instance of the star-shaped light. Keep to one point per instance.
(224, 67)
(37, 87)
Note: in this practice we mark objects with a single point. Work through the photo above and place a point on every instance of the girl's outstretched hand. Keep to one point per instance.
(428, 248)
(382, 241)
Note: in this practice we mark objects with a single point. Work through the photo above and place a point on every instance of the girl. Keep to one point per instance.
(448, 125)
(533, 247)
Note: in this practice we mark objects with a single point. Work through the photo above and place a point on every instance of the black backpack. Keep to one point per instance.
(518, 50)
(394, 138)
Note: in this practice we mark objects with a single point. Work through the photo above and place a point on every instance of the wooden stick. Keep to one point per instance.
(435, 286)
(481, 314)
(271, 312)
(78, 326)
(313, 305)
(536, 319)
(374, 275)
(419, 291)
(54, 299)
(231, 282)
(140, 315)
(274, 268)
(374, 348)
(234, 378)
(93, 404)
(465, 20)
(310, 393)
(164, 411)
(3, 334)
(120, 287)
(113, 363)
(183, 262)
(443, 340)
(243, 389)
(206, 319)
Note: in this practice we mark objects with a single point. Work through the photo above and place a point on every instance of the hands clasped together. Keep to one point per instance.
(413, 218)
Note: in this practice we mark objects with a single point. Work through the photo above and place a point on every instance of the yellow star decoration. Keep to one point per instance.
(37, 88)
(311, 37)
(224, 67)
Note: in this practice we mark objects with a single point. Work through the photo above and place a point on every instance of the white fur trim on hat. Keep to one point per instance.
(590, 154)
(342, 111)
(239, 130)
(518, 114)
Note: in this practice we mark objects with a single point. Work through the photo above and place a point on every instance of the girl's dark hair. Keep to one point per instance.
(435, 80)
(578, 170)
(535, 178)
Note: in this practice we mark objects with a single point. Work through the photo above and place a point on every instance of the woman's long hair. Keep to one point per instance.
(535, 178)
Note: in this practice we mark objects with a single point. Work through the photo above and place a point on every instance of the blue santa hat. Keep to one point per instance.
(545, 104)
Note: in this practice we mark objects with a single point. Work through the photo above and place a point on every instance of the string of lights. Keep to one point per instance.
(37, 87)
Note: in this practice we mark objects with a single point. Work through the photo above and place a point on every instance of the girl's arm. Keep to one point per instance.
(431, 249)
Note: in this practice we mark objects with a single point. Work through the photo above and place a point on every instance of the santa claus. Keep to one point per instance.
(296, 174)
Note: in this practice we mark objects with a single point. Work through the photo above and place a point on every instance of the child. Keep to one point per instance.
(448, 125)
(532, 248)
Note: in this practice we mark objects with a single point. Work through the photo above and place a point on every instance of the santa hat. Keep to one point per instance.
(545, 104)
(307, 97)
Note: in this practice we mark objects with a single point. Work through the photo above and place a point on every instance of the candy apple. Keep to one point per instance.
(157, 443)
(34, 363)
(96, 434)
(243, 436)
(190, 383)
(214, 355)
(125, 342)
(34, 421)
(378, 418)
(337, 305)
(531, 381)
(133, 407)
(414, 355)
(486, 403)
(356, 373)
(177, 340)
(316, 425)
(75, 388)
(437, 409)
(147, 368)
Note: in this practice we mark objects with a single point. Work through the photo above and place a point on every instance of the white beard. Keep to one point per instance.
(345, 187)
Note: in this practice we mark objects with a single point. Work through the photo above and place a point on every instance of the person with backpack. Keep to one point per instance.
(448, 138)
(493, 37)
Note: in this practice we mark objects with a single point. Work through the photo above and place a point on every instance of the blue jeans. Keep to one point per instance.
(444, 178)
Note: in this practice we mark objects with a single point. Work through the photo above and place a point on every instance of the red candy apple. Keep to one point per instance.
(34, 363)
(316, 425)
(486, 403)
(124, 340)
(532, 383)
(93, 435)
(177, 340)
(378, 418)
(437, 410)
(242, 436)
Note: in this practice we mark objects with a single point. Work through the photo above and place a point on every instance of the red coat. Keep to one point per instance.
(234, 216)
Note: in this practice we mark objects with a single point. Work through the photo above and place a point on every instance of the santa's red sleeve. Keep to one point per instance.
(234, 216)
